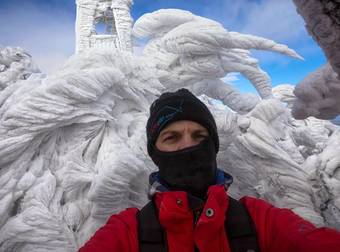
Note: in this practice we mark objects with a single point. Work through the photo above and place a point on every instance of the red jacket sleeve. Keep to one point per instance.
(119, 234)
(282, 230)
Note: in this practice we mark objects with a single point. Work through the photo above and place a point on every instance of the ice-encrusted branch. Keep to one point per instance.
(193, 48)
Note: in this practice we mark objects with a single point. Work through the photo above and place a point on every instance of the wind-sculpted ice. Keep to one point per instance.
(324, 176)
(186, 49)
(318, 95)
(323, 23)
(73, 145)
(79, 129)
(15, 65)
(318, 143)
(273, 156)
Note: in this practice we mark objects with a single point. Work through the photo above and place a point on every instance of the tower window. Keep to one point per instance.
(105, 24)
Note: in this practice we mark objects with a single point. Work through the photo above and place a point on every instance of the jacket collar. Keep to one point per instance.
(156, 184)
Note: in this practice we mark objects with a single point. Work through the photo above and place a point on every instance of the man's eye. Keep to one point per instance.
(200, 137)
(169, 138)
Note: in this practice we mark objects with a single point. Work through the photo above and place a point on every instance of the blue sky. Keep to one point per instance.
(46, 30)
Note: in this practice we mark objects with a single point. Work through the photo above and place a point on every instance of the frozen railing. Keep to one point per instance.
(103, 41)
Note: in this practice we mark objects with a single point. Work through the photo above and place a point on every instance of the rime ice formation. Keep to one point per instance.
(319, 93)
(15, 64)
(323, 23)
(317, 141)
(68, 152)
(113, 14)
(188, 48)
(72, 145)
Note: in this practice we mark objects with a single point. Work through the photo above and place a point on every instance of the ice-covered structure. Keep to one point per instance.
(111, 15)
(318, 94)
(15, 65)
(72, 145)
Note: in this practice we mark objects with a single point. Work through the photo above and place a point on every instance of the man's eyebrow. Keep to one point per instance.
(201, 131)
(168, 132)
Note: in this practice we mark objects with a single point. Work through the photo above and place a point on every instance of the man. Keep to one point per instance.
(189, 208)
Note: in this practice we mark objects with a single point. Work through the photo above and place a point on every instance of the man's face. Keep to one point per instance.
(180, 135)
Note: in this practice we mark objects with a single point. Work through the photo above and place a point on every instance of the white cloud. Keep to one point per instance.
(273, 19)
(231, 77)
(47, 34)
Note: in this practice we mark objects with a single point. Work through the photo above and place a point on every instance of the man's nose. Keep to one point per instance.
(186, 142)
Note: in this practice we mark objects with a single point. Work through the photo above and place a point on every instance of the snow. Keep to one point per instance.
(201, 48)
(15, 65)
(318, 95)
(323, 23)
(73, 145)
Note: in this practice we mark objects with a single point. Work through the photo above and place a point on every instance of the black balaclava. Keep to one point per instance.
(191, 169)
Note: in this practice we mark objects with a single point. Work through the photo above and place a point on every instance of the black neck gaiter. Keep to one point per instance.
(192, 169)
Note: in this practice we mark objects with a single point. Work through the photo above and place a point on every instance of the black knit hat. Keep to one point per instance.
(176, 106)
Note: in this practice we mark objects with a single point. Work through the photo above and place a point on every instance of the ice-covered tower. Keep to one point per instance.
(103, 23)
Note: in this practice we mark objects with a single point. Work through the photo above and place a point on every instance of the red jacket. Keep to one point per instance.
(277, 229)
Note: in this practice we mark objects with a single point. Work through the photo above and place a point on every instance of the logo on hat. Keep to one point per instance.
(164, 118)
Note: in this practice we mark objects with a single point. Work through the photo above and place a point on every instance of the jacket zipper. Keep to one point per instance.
(197, 214)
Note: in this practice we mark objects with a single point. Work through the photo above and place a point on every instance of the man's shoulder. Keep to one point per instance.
(260, 210)
(118, 234)
(258, 207)
(123, 224)
(125, 218)
(271, 219)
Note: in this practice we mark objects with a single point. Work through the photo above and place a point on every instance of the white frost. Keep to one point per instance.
(15, 65)
(191, 48)
(318, 95)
